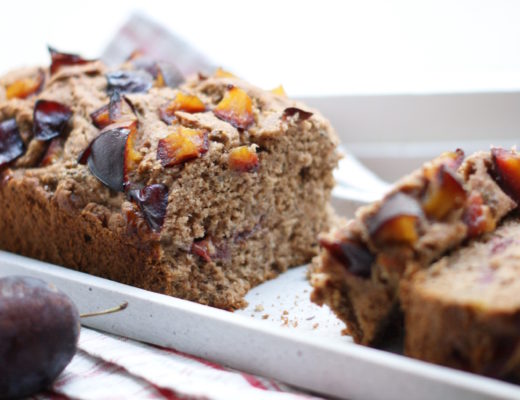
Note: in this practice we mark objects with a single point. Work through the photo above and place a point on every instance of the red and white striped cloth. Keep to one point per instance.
(153, 40)
(108, 367)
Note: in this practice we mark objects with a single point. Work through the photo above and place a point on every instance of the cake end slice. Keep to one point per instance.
(464, 311)
(450, 200)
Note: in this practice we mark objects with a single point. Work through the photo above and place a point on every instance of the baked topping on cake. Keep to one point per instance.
(105, 157)
(60, 60)
(445, 190)
(478, 216)
(243, 159)
(279, 90)
(118, 108)
(181, 145)
(301, 115)
(132, 156)
(11, 143)
(352, 253)
(128, 81)
(182, 102)
(396, 221)
(53, 153)
(25, 87)
(506, 165)
(152, 201)
(209, 251)
(236, 108)
(50, 119)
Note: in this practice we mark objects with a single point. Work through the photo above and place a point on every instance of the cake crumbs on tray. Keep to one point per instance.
(265, 316)
(315, 326)
(259, 308)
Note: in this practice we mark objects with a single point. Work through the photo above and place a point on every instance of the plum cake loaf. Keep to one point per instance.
(197, 189)
(464, 311)
(449, 201)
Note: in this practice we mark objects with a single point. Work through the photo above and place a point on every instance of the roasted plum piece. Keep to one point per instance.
(105, 157)
(181, 145)
(11, 143)
(203, 248)
(39, 331)
(125, 123)
(59, 60)
(125, 81)
(351, 253)
(445, 193)
(132, 157)
(50, 119)
(506, 167)
(25, 87)
(236, 108)
(301, 115)
(243, 159)
(477, 216)
(53, 152)
(279, 90)
(118, 108)
(396, 221)
(222, 73)
(449, 159)
(119, 114)
(152, 200)
(111, 156)
(182, 102)
(209, 250)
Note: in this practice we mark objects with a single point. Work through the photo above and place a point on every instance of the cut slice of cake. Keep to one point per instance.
(464, 311)
(198, 189)
(434, 210)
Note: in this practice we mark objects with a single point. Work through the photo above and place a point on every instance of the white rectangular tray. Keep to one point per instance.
(276, 336)
(281, 334)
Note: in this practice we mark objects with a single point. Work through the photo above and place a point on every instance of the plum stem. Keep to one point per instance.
(120, 307)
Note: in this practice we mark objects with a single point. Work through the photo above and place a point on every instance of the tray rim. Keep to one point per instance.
(277, 361)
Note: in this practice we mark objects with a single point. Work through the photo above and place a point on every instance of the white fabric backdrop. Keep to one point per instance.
(312, 47)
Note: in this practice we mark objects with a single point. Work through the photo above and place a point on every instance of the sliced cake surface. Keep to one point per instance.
(199, 189)
(464, 311)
